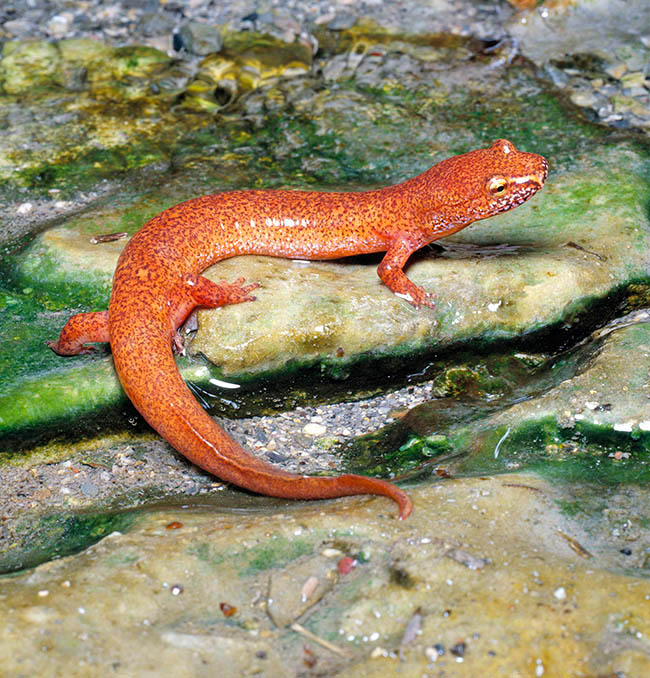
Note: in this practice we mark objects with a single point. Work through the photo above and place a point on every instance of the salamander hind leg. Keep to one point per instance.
(80, 330)
(204, 292)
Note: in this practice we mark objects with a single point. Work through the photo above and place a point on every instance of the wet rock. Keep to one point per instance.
(153, 591)
(201, 39)
(596, 30)
(591, 423)
(19, 28)
(608, 398)
(25, 65)
(250, 63)
(155, 23)
(59, 25)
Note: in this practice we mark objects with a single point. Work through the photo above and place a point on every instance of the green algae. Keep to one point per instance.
(58, 535)
(277, 552)
(29, 65)
(89, 168)
(59, 403)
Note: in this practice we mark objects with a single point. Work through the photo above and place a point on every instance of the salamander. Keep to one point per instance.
(158, 282)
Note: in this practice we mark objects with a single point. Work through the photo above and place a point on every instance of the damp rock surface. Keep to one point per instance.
(495, 572)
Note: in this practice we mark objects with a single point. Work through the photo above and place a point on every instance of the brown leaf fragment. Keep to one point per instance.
(108, 237)
(575, 545)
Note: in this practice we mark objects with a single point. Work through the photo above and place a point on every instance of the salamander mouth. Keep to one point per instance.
(536, 179)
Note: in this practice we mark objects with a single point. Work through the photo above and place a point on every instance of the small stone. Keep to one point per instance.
(201, 39)
(558, 76)
(314, 430)
(59, 25)
(73, 78)
(616, 70)
(146, 5)
(560, 593)
(625, 104)
(585, 99)
(19, 28)
(89, 489)
(634, 79)
(155, 24)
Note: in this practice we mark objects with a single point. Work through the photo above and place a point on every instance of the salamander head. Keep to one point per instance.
(487, 181)
(511, 176)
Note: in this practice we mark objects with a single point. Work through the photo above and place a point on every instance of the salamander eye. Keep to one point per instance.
(497, 185)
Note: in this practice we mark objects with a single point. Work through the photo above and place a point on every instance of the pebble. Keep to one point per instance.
(560, 593)
(342, 20)
(314, 430)
(89, 489)
(200, 39)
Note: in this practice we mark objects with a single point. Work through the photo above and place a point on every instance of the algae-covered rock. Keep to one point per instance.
(580, 415)
(247, 63)
(26, 65)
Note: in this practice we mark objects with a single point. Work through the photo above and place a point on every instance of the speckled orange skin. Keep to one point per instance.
(157, 284)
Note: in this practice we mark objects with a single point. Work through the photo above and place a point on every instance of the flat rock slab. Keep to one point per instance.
(543, 264)
(607, 402)
(189, 591)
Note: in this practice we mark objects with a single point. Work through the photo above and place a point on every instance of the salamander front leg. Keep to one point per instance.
(391, 273)
(80, 330)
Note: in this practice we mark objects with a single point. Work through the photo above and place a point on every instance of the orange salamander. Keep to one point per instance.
(157, 284)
